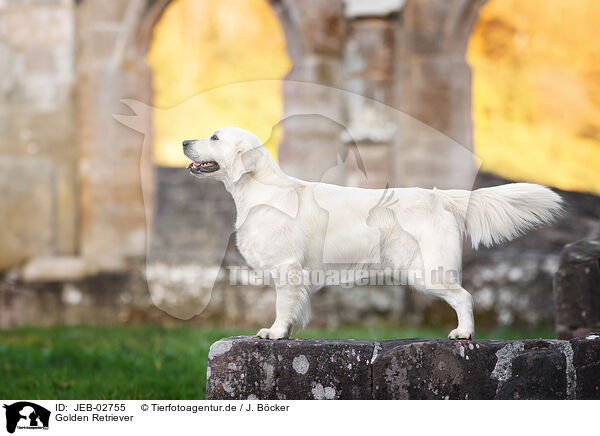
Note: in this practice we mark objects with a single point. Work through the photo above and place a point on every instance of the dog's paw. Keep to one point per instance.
(273, 333)
(460, 334)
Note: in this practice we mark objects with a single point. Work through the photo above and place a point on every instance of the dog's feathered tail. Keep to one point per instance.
(501, 213)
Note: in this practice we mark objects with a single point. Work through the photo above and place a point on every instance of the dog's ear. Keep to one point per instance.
(244, 162)
(238, 168)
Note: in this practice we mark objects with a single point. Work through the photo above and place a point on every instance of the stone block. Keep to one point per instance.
(33, 136)
(369, 57)
(107, 11)
(586, 362)
(436, 26)
(367, 70)
(536, 375)
(33, 26)
(322, 71)
(435, 369)
(320, 25)
(577, 289)
(27, 208)
(99, 299)
(53, 268)
(248, 367)
(373, 8)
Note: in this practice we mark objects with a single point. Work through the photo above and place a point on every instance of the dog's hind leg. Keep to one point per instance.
(440, 277)
(452, 293)
(434, 269)
(292, 306)
(462, 303)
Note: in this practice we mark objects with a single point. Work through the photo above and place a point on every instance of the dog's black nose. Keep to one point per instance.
(187, 142)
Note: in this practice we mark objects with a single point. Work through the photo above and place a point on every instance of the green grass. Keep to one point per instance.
(142, 362)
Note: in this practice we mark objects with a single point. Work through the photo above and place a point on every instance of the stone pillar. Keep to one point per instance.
(368, 71)
(433, 85)
(111, 68)
(577, 289)
(314, 32)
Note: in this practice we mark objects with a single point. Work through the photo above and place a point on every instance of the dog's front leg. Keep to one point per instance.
(292, 306)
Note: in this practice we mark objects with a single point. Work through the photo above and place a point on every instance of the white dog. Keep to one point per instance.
(292, 228)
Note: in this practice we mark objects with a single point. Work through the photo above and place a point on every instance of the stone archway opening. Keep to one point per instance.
(197, 47)
(205, 57)
(536, 93)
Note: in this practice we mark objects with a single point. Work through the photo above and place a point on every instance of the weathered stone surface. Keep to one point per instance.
(98, 299)
(437, 26)
(38, 152)
(536, 374)
(577, 289)
(436, 369)
(369, 59)
(432, 84)
(34, 26)
(316, 26)
(586, 361)
(248, 367)
(27, 211)
(53, 268)
(373, 8)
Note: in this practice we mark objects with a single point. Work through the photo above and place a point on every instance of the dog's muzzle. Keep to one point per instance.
(209, 166)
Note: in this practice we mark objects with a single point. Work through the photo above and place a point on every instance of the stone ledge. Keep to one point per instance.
(251, 368)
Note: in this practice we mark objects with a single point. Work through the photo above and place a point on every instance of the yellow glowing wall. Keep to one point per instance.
(536, 91)
(198, 45)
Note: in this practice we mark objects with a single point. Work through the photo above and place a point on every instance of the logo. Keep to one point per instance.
(26, 415)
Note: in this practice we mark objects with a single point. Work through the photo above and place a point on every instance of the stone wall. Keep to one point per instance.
(85, 182)
(244, 368)
(70, 172)
(38, 147)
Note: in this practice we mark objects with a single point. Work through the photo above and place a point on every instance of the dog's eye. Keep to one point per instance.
(214, 138)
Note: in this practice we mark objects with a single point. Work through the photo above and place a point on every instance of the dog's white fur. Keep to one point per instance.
(283, 225)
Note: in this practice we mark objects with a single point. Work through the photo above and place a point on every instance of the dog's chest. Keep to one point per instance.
(253, 246)
(264, 238)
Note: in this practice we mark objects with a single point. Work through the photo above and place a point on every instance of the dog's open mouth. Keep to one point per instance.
(208, 166)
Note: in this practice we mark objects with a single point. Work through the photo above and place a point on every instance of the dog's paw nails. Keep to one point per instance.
(263, 333)
(460, 334)
(272, 333)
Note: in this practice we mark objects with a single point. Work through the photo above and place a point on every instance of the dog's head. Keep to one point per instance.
(226, 155)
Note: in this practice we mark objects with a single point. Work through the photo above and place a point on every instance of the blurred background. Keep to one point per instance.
(446, 93)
